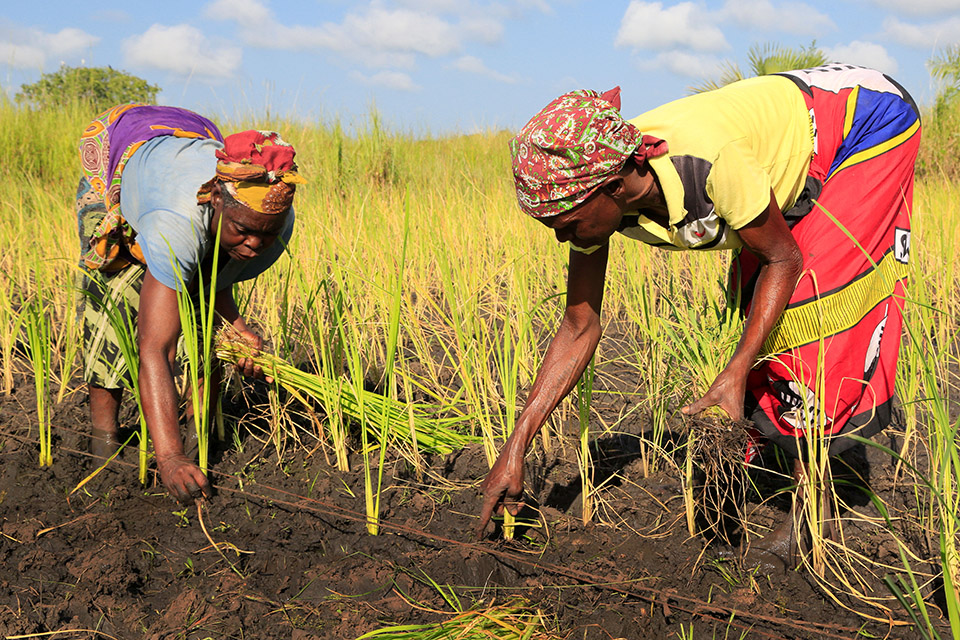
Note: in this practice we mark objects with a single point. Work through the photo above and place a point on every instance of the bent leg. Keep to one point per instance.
(104, 414)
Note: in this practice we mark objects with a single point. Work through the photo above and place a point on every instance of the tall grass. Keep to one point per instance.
(413, 277)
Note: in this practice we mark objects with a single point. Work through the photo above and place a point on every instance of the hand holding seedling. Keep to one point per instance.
(726, 392)
(246, 366)
(183, 479)
(502, 488)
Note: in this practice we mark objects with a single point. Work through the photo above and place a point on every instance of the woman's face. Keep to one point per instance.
(588, 224)
(244, 233)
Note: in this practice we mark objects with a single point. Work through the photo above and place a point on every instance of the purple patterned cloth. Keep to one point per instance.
(140, 124)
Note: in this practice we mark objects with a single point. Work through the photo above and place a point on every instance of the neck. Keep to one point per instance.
(643, 191)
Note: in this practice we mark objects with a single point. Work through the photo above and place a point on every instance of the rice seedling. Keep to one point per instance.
(198, 329)
(10, 321)
(713, 471)
(379, 413)
(122, 321)
(67, 345)
(652, 360)
(584, 458)
(513, 620)
(389, 373)
(36, 322)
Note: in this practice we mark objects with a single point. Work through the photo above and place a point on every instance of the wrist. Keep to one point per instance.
(170, 456)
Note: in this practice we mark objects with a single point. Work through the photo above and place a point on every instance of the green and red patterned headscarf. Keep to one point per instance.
(571, 147)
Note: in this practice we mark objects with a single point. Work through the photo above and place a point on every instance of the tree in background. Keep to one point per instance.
(100, 87)
(764, 60)
(940, 153)
(945, 66)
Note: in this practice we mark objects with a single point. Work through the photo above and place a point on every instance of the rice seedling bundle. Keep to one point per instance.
(380, 414)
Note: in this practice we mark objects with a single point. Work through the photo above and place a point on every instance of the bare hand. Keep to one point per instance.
(726, 392)
(502, 487)
(183, 479)
(246, 366)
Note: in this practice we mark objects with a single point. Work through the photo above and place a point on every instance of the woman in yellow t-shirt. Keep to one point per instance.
(808, 175)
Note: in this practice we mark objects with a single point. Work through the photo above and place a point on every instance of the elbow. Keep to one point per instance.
(788, 262)
(794, 262)
(582, 327)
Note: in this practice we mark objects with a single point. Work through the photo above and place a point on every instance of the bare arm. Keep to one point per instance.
(159, 330)
(781, 263)
(566, 359)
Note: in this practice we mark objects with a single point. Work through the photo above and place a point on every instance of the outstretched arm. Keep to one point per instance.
(566, 359)
(159, 330)
(781, 263)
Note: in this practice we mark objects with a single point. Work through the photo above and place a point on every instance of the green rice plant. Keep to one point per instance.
(122, 321)
(904, 585)
(945, 478)
(434, 434)
(653, 365)
(584, 458)
(389, 372)
(10, 322)
(352, 341)
(69, 338)
(513, 620)
(36, 322)
(327, 348)
(702, 342)
(198, 345)
(461, 295)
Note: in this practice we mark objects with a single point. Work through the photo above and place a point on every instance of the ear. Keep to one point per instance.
(615, 186)
(216, 195)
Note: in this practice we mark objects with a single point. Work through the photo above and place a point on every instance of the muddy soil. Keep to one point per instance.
(292, 558)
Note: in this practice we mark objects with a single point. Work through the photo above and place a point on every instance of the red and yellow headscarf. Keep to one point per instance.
(257, 169)
(571, 147)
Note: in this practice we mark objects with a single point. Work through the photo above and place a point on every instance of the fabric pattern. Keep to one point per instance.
(103, 361)
(258, 169)
(570, 147)
(830, 363)
(105, 147)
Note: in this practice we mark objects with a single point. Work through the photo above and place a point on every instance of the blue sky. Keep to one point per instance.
(441, 66)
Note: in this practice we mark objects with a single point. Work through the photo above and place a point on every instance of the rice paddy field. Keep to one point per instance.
(404, 328)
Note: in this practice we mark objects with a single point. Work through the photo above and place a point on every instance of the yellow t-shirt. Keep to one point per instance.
(727, 149)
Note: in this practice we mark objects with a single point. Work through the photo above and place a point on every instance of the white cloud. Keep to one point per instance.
(434, 6)
(647, 25)
(785, 17)
(20, 56)
(27, 48)
(390, 79)
(399, 30)
(684, 64)
(923, 36)
(472, 64)
(481, 29)
(867, 54)
(376, 36)
(919, 7)
(245, 12)
(183, 50)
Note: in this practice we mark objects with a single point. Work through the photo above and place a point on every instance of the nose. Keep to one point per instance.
(564, 234)
(253, 243)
